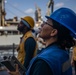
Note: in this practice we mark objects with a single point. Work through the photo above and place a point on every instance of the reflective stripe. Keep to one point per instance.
(66, 65)
(26, 23)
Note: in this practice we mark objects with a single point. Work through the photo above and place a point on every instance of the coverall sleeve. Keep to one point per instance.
(29, 47)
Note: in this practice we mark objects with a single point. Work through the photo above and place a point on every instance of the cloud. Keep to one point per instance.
(59, 5)
(29, 11)
(5, 1)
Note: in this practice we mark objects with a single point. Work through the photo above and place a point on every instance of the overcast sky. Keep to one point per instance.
(21, 8)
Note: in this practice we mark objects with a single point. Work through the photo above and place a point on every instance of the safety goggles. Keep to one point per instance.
(45, 23)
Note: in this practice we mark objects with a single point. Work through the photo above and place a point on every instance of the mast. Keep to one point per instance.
(50, 4)
(38, 16)
(2, 12)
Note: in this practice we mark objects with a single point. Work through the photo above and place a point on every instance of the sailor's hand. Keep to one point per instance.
(15, 72)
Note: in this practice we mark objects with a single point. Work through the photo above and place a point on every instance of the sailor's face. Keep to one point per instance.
(46, 29)
(20, 26)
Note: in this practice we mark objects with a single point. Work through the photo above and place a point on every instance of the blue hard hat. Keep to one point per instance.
(65, 17)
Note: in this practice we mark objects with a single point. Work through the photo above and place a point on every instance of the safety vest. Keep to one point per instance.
(56, 58)
(21, 51)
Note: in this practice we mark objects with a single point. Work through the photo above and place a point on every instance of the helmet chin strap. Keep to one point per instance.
(25, 23)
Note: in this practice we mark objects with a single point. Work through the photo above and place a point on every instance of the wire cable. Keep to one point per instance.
(12, 12)
(16, 8)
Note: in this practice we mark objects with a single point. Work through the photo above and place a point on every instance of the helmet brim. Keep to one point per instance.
(47, 17)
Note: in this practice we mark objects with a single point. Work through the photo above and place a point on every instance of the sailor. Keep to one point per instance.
(58, 32)
(28, 46)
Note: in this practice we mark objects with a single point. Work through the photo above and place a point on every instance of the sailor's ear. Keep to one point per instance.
(54, 32)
